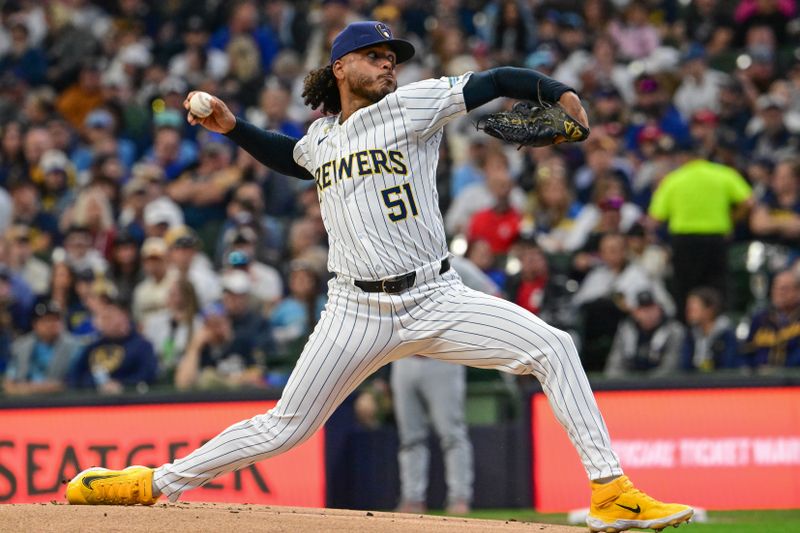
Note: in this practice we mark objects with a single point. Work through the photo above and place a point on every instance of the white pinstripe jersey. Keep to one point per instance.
(376, 179)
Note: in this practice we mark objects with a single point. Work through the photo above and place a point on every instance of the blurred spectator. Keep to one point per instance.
(188, 261)
(151, 295)
(34, 271)
(776, 215)
(774, 336)
(552, 209)
(216, 357)
(92, 213)
(699, 201)
(498, 225)
(304, 243)
(711, 340)
(699, 88)
(57, 178)
(709, 23)
(773, 141)
(13, 166)
(530, 288)
(295, 316)
(634, 34)
(246, 319)
(27, 210)
(647, 342)
(16, 301)
(125, 270)
(170, 329)
(479, 252)
(481, 196)
(169, 150)
(602, 162)
(265, 281)
(198, 62)
(80, 98)
(653, 106)
(609, 211)
(102, 138)
(273, 108)
(470, 171)
(607, 293)
(201, 191)
(41, 359)
(119, 358)
(243, 20)
(247, 209)
(24, 60)
(79, 252)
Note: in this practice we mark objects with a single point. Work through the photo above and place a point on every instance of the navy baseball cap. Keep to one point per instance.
(367, 33)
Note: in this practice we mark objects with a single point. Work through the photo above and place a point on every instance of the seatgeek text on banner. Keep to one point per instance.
(42, 447)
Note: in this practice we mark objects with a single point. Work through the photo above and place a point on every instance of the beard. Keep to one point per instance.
(373, 90)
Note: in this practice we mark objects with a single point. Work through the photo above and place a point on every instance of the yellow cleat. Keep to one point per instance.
(619, 506)
(101, 486)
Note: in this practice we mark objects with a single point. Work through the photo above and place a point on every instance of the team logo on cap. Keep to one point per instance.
(384, 30)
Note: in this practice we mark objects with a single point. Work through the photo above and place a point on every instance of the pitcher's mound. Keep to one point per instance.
(243, 518)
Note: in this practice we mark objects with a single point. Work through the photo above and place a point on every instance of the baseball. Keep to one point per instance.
(200, 104)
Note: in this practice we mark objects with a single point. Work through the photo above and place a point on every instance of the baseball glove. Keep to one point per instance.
(530, 124)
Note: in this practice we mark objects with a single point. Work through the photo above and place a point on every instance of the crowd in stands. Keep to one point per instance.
(138, 251)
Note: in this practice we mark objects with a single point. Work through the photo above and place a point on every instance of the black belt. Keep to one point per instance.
(398, 284)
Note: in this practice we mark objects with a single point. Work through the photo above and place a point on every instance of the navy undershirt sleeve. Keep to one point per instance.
(271, 148)
(511, 82)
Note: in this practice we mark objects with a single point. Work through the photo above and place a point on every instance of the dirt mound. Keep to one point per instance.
(229, 518)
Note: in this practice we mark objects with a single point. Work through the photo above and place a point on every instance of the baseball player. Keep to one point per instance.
(373, 158)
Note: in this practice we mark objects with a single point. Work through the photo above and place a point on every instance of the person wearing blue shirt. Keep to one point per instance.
(120, 357)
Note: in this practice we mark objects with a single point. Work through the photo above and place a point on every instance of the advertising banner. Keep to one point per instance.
(42, 447)
(714, 448)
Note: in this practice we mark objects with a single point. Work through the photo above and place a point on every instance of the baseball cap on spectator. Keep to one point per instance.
(693, 52)
(705, 116)
(44, 307)
(154, 247)
(768, 101)
(236, 281)
(181, 237)
(647, 83)
(99, 118)
(649, 133)
(366, 33)
(125, 237)
(159, 213)
(238, 258)
(645, 298)
(54, 161)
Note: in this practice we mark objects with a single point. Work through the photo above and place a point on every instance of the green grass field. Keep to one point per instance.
(718, 521)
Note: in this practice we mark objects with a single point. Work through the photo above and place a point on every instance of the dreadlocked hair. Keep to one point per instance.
(319, 88)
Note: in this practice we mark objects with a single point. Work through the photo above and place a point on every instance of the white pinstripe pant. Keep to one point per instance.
(360, 332)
